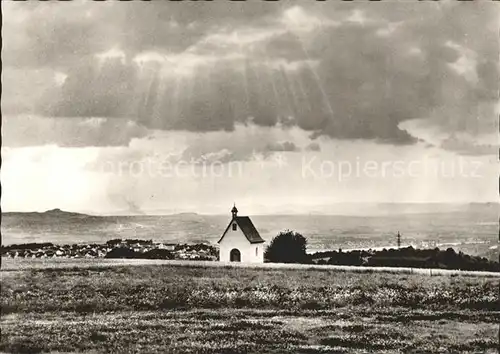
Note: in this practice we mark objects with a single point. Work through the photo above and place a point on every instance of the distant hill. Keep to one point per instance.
(55, 220)
(53, 213)
(60, 212)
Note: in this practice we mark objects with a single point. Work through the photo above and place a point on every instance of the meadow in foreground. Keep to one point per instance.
(166, 308)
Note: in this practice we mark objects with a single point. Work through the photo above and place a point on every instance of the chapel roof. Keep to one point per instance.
(247, 227)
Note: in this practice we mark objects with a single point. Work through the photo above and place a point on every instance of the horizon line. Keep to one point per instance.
(286, 211)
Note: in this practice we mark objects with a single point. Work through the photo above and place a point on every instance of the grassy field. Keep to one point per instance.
(192, 309)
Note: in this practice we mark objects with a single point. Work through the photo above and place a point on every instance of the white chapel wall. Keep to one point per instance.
(236, 239)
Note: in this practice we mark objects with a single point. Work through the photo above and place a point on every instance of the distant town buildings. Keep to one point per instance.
(141, 248)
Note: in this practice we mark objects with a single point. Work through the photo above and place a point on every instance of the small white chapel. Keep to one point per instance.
(241, 241)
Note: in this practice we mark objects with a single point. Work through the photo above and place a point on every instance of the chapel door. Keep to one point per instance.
(235, 255)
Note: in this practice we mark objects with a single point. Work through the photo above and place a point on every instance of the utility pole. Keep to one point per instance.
(399, 240)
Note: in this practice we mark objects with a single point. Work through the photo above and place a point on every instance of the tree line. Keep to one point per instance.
(290, 247)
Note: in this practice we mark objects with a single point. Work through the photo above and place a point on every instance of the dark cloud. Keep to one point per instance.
(285, 46)
(313, 147)
(465, 147)
(18, 131)
(48, 34)
(23, 88)
(243, 144)
(321, 67)
(282, 146)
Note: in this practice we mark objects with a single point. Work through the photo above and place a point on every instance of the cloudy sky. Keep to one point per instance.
(140, 107)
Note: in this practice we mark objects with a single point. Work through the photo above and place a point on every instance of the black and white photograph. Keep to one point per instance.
(223, 176)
